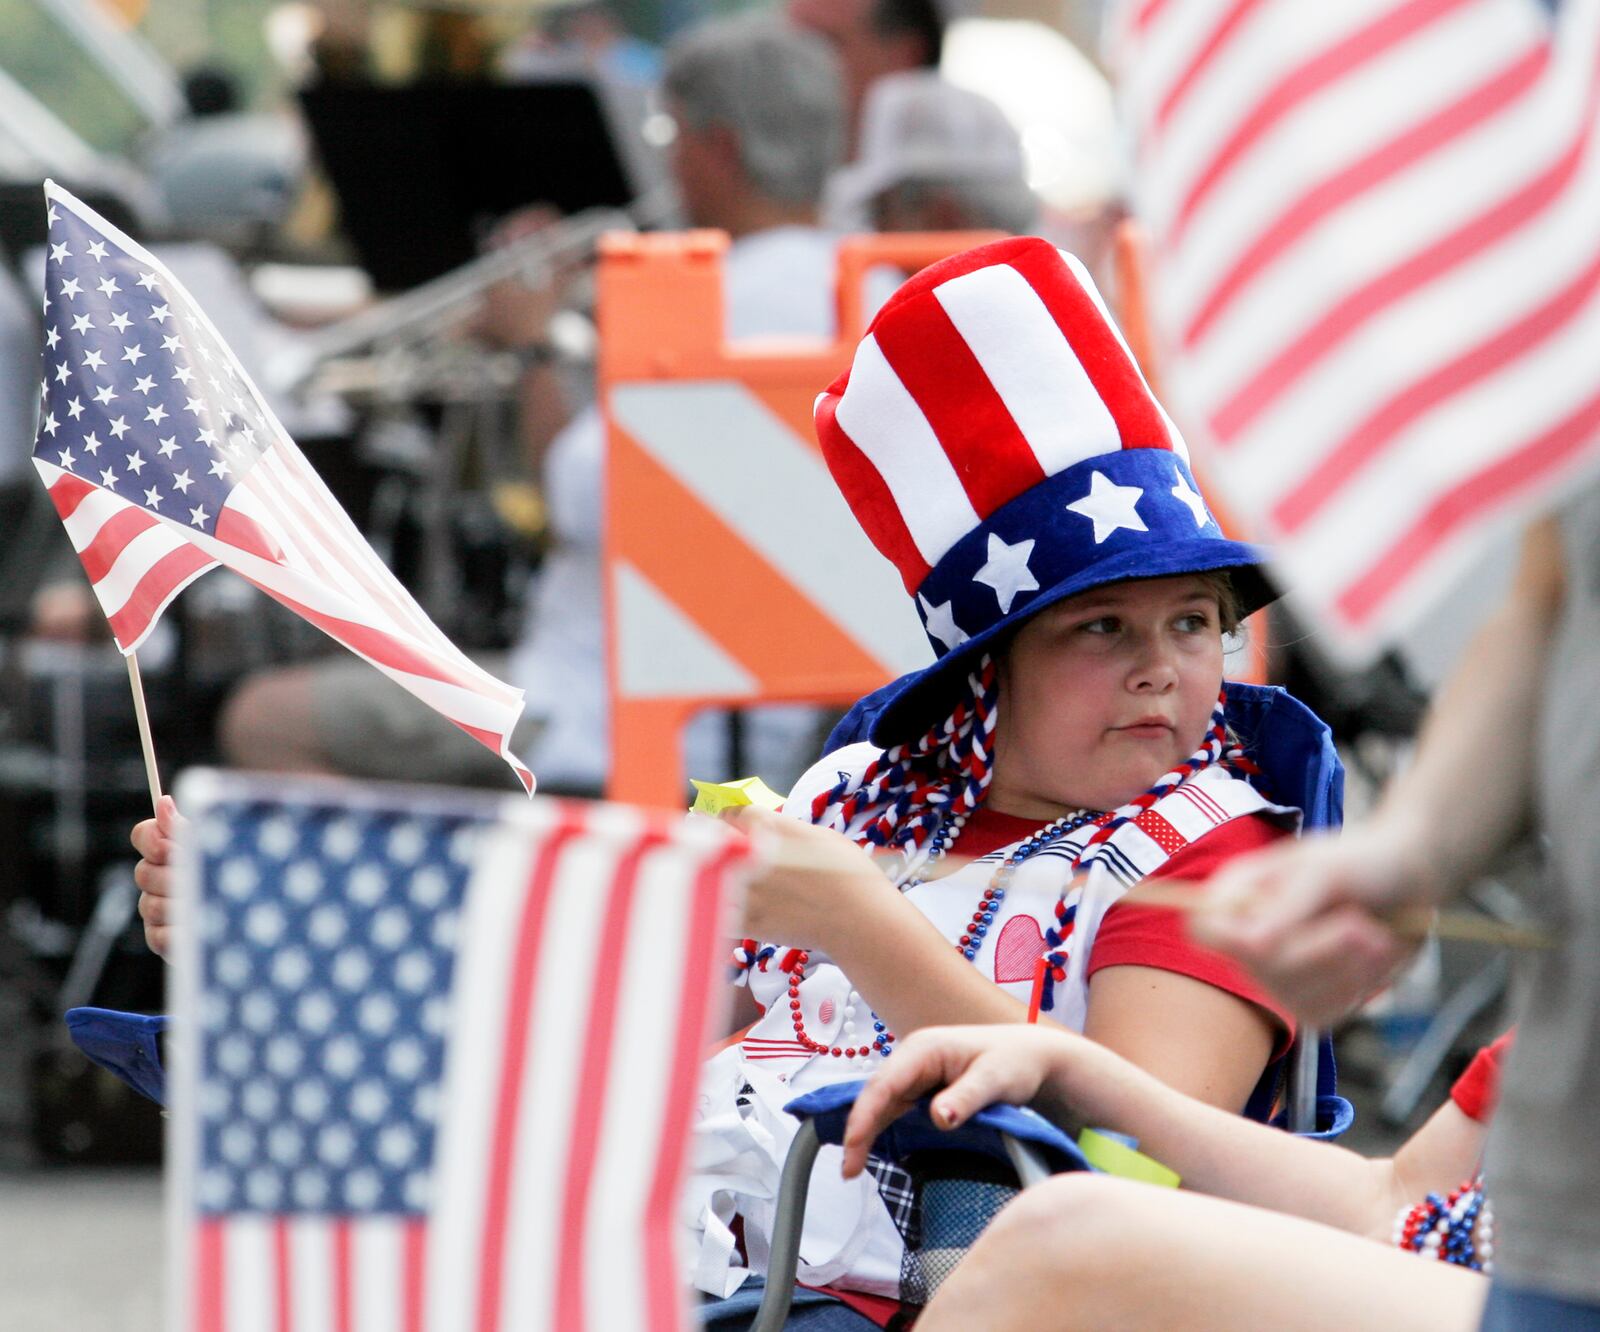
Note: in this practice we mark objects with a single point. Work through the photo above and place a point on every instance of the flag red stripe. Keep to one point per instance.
(1466, 113)
(323, 543)
(1148, 13)
(1215, 40)
(238, 529)
(661, 1282)
(415, 1264)
(68, 492)
(343, 1305)
(1110, 369)
(593, 1087)
(1365, 302)
(210, 1273)
(1298, 85)
(934, 363)
(874, 504)
(1367, 440)
(111, 539)
(282, 1274)
(377, 644)
(1491, 487)
(508, 1098)
(163, 579)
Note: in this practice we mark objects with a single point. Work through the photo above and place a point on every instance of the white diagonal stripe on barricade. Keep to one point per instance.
(770, 488)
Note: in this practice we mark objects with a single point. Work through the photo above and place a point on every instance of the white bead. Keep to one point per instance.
(1485, 1251)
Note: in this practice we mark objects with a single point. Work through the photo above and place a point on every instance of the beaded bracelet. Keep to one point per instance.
(1457, 1228)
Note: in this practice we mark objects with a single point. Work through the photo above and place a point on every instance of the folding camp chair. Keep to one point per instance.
(982, 1165)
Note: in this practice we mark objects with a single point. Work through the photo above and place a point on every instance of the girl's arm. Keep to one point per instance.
(1071, 1078)
(826, 894)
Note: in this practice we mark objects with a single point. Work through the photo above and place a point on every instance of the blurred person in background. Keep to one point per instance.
(935, 157)
(759, 113)
(873, 38)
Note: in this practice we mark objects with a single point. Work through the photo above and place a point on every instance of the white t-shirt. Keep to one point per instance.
(776, 282)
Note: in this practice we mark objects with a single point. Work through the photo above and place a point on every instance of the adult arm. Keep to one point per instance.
(1308, 918)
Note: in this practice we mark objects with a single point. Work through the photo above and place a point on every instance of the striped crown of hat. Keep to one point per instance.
(999, 445)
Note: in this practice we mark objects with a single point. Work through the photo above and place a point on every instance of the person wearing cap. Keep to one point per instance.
(998, 444)
(934, 157)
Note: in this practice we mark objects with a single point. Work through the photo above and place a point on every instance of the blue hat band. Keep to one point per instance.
(1132, 514)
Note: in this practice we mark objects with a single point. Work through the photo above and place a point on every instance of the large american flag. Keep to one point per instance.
(1377, 273)
(164, 461)
(438, 1059)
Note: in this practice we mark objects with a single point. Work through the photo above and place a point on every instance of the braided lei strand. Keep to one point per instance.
(1457, 1228)
(1214, 749)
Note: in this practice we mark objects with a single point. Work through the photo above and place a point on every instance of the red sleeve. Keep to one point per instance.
(1140, 936)
(1478, 1088)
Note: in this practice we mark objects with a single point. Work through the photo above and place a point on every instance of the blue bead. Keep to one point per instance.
(988, 917)
(980, 930)
(969, 953)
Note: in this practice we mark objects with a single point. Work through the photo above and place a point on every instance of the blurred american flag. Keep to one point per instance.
(440, 1059)
(164, 461)
(1377, 273)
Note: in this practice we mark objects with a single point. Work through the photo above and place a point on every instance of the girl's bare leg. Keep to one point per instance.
(1087, 1251)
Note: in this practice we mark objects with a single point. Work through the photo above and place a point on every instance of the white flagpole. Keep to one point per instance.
(145, 742)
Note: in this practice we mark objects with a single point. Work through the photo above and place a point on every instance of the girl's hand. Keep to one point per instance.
(806, 893)
(154, 839)
(976, 1066)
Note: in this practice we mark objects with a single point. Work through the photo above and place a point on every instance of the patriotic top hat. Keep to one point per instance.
(999, 445)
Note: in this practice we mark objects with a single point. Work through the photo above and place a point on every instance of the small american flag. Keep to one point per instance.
(439, 1059)
(1377, 273)
(164, 461)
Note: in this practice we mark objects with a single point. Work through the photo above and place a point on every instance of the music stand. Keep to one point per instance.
(422, 171)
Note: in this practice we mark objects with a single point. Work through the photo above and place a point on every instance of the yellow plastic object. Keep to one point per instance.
(1104, 1152)
(712, 798)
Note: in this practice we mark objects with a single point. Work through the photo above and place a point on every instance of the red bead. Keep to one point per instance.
(836, 1052)
(965, 940)
(794, 1004)
(851, 1053)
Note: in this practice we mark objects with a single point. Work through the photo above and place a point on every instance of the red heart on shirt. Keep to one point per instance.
(1018, 950)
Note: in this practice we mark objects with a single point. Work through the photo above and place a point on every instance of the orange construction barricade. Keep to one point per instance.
(735, 573)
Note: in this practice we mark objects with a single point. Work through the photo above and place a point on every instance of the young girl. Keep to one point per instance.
(1299, 1253)
(998, 444)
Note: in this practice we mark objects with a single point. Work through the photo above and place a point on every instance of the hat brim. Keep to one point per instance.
(924, 698)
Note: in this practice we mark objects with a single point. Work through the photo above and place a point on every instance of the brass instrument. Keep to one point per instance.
(410, 347)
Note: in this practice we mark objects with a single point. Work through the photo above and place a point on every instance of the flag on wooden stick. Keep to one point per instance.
(439, 1058)
(164, 461)
(1377, 273)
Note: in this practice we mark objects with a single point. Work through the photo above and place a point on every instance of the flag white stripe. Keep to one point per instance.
(277, 477)
(1031, 366)
(1464, 435)
(377, 1261)
(477, 1025)
(1425, 330)
(311, 1262)
(250, 1298)
(883, 420)
(1388, 225)
(253, 498)
(567, 972)
(1274, 40)
(1345, 124)
(137, 558)
(642, 1050)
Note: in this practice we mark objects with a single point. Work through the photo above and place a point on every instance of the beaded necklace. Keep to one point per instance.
(970, 942)
(1457, 1228)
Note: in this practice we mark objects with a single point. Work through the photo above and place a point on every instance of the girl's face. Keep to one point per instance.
(1103, 693)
